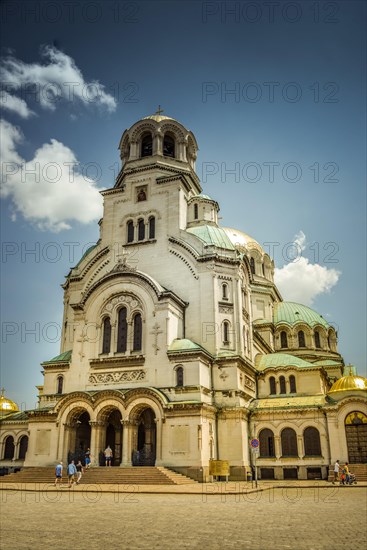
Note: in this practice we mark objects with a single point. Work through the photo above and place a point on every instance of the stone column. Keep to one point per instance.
(300, 446)
(127, 426)
(96, 444)
(159, 428)
(68, 443)
(134, 150)
(158, 144)
(278, 450)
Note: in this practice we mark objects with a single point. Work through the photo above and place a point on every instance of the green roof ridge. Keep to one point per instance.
(64, 357)
(292, 313)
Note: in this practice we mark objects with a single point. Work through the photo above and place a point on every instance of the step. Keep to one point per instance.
(143, 475)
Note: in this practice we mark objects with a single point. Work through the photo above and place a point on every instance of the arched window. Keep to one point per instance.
(273, 387)
(266, 438)
(130, 231)
(252, 265)
(226, 332)
(23, 446)
(60, 384)
(106, 342)
(292, 384)
(152, 227)
(224, 291)
(141, 230)
(301, 339)
(311, 439)
(263, 269)
(122, 330)
(138, 328)
(168, 146)
(147, 145)
(9, 448)
(179, 376)
(282, 387)
(317, 339)
(196, 212)
(283, 339)
(289, 442)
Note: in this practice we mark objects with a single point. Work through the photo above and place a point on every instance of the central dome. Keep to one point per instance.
(242, 240)
(157, 117)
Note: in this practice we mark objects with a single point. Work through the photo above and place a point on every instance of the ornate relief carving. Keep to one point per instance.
(225, 309)
(156, 331)
(117, 377)
(125, 299)
(249, 383)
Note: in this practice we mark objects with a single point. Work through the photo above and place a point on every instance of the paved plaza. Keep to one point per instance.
(300, 518)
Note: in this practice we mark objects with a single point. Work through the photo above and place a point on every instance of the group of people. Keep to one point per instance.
(342, 474)
(75, 471)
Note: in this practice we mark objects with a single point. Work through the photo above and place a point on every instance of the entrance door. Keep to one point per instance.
(114, 437)
(82, 438)
(145, 453)
(356, 434)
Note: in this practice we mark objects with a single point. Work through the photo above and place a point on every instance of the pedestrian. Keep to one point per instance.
(108, 455)
(336, 471)
(347, 475)
(71, 473)
(79, 472)
(58, 473)
(87, 457)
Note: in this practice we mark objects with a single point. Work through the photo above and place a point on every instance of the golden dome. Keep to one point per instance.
(7, 406)
(349, 383)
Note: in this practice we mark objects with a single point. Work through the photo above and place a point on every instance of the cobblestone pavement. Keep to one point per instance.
(296, 518)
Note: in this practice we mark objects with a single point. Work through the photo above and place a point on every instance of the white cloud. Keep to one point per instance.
(58, 78)
(301, 281)
(56, 193)
(12, 103)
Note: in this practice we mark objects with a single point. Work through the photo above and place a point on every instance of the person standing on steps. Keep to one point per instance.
(79, 472)
(108, 455)
(87, 458)
(71, 473)
(58, 474)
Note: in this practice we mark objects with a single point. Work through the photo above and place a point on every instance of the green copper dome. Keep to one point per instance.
(212, 235)
(292, 313)
(280, 360)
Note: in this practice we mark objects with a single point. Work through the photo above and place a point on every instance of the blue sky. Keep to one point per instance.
(276, 101)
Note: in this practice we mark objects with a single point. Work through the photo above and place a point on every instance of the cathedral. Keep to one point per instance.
(177, 348)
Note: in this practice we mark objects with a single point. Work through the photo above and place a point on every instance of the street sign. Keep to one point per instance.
(254, 443)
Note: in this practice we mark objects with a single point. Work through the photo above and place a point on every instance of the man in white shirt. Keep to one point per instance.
(336, 471)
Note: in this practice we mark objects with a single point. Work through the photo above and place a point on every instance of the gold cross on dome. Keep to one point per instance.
(2, 392)
(159, 111)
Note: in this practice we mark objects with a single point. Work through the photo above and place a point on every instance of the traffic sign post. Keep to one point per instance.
(255, 448)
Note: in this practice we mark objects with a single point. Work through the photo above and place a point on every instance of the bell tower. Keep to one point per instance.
(159, 142)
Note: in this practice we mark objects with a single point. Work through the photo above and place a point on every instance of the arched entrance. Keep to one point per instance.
(144, 453)
(356, 434)
(9, 448)
(82, 437)
(23, 446)
(113, 437)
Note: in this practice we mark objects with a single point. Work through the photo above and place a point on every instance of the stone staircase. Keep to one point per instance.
(137, 475)
(359, 470)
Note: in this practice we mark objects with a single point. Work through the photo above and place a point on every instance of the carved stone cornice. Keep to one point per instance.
(117, 377)
(116, 362)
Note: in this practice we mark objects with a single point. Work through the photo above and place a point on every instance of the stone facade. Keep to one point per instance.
(173, 348)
